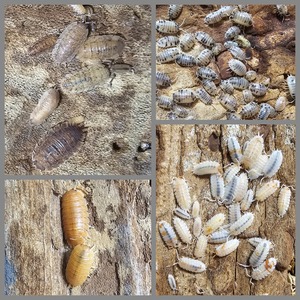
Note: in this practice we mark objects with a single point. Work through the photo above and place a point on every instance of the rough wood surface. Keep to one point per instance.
(272, 56)
(117, 117)
(179, 148)
(36, 252)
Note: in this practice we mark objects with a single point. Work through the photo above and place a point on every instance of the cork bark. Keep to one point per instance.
(179, 148)
(272, 56)
(36, 253)
(117, 116)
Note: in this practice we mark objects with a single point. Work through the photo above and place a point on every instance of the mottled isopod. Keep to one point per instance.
(200, 247)
(182, 194)
(184, 96)
(187, 42)
(229, 44)
(185, 60)
(168, 41)
(266, 190)
(165, 26)
(43, 44)
(250, 75)
(174, 11)
(227, 247)
(204, 58)
(237, 52)
(204, 38)
(241, 224)
(228, 102)
(213, 17)
(217, 49)
(162, 79)
(69, 42)
(273, 164)
(213, 223)
(79, 265)
(237, 67)
(206, 73)
(210, 87)
(180, 111)
(46, 105)
(265, 269)
(232, 32)
(227, 10)
(255, 241)
(266, 111)
(284, 199)
(258, 89)
(248, 96)
(59, 145)
(75, 217)
(165, 102)
(249, 110)
(230, 191)
(227, 87)
(239, 83)
(168, 234)
(207, 168)
(242, 18)
(203, 96)
(167, 55)
(182, 230)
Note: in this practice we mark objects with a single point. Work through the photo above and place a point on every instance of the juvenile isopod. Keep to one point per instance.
(185, 60)
(219, 237)
(43, 44)
(280, 104)
(75, 217)
(168, 234)
(167, 55)
(234, 149)
(207, 168)
(242, 41)
(217, 186)
(200, 247)
(191, 265)
(247, 200)
(204, 38)
(174, 11)
(284, 199)
(210, 87)
(46, 105)
(184, 96)
(217, 49)
(250, 75)
(249, 110)
(69, 42)
(234, 212)
(265, 269)
(182, 230)
(206, 73)
(248, 96)
(168, 41)
(232, 32)
(195, 209)
(197, 226)
(253, 150)
(204, 58)
(241, 224)
(213, 17)
(258, 89)
(79, 265)
(266, 190)
(203, 96)
(228, 102)
(237, 67)
(101, 47)
(181, 213)
(227, 247)
(165, 102)
(242, 187)
(65, 139)
(231, 172)
(172, 282)
(165, 26)
(182, 194)
(260, 254)
(230, 191)
(213, 223)
(187, 42)
(163, 79)
(273, 164)
(242, 18)
(291, 82)
(239, 83)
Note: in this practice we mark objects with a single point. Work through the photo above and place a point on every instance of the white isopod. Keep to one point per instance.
(253, 150)
(234, 212)
(265, 269)
(241, 224)
(181, 213)
(242, 187)
(273, 164)
(250, 75)
(168, 234)
(237, 67)
(172, 282)
(182, 230)
(280, 103)
(291, 82)
(247, 200)
(201, 246)
(168, 41)
(258, 167)
(182, 194)
(217, 186)
(207, 168)
(234, 149)
(213, 223)
(191, 265)
(227, 247)
(195, 209)
(259, 254)
(197, 226)
(231, 172)
(266, 190)
(219, 237)
(284, 199)
(230, 191)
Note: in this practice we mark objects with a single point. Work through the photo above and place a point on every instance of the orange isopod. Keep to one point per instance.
(75, 217)
(79, 265)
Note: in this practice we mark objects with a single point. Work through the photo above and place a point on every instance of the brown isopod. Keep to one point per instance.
(59, 145)
(69, 42)
(102, 47)
(75, 217)
(79, 265)
(43, 44)
(46, 105)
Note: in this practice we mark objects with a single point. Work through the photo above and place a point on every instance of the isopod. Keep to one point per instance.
(210, 87)
(250, 75)
(75, 217)
(238, 53)
(284, 199)
(282, 10)
(65, 139)
(197, 226)
(227, 247)
(227, 10)
(200, 247)
(219, 237)
(69, 42)
(165, 26)
(180, 111)
(207, 168)
(217, 186)
(239, 83)
(242, 41)
(228, 102)
(168, 41)
(182, 194)
(204, 38)
(291, 82)
(280, 103)
(204, 58)
(232, 32)
(46, 105)
(259, 254)
(227, 87)
(79, 265)
(242, 18)
(247, 200)
(249, 110)
(257, 240)
(174, 11)
(217, 49)
(258, 89)
(258, 166)
(203, 96)
(231, 172)
(183, 214)
(187, 42)
(195, 209)
(273, 164)
(230, 191)
(242, 187)
(266, 190)
(232, 116)
(234, 212)
(101, 47)
(162, 79)
(43, 44)
(266, 111)
(168, 234)
(167, 55)
(234, 149)
(185, 60)
(248, 96)
(229, 44)
(172, 282)
(184, 96)
(191, 265)
(253, 150)
(213, 17)
(165, 102)
(237, 67)
(182, 230)
(213, 223)
(206, 73)
(265, 269)
(241, 224)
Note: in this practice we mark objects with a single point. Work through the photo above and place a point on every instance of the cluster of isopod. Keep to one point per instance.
(75, 221)
(229, 187)
(99, 54)
(203, 49)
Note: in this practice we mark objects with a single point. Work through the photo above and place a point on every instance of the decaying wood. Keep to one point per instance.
(120, 231)
(118, 116)
(179, 148)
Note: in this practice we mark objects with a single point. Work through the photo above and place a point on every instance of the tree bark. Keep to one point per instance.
(120, 233)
